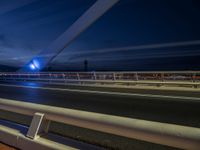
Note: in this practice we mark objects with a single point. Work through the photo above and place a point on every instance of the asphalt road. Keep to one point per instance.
(156, 105)
(164, 106)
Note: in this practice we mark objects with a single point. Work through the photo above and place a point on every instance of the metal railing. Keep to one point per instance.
(184, 78)
(155, 132)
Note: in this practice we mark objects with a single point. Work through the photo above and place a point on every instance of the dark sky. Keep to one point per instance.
(113, 42)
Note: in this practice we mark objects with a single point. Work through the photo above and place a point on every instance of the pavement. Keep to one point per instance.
(6, 147)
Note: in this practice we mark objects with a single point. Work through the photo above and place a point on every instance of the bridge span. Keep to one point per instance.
(166, 104)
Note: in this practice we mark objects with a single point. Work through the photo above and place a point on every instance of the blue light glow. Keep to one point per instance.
(36, 64)
(32, 67)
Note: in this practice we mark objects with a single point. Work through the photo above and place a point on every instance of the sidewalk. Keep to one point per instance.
(6, 147)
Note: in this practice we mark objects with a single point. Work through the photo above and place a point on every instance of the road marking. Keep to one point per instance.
(103, 92)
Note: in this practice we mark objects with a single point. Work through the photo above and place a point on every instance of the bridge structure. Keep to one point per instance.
(156, 107)
(98, 110)
(40, 61)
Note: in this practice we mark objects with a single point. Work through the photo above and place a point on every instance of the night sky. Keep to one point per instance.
(133, 35)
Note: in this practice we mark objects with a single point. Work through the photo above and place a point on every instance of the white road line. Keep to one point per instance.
(108, 93)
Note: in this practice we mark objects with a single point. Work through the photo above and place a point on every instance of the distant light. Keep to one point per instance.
(36, 64)
(32, 67)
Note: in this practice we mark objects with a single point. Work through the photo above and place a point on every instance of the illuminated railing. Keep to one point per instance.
(187, 78)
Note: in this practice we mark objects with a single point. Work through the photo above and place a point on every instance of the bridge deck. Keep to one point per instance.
(176, 107)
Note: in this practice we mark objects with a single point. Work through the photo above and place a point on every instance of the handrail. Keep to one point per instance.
(178, 75)
(155, 132)
(105, 72)
(115, 81)
(181, 78)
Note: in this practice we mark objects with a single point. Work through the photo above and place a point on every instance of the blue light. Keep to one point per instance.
(36, 64)
(32, 67)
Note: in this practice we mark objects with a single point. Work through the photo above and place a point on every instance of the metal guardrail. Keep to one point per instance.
(182, 78)
(155, 132)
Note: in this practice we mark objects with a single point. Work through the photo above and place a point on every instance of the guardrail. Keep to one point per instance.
(182, 78)
(155, 132)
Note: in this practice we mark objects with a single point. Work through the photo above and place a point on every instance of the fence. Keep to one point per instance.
(180, 78)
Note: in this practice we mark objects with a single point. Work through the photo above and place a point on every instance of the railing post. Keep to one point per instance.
(94, 74)
(78, 76)
(162, 77)
(194, 80)
(114, 77)
(63, 75)
(194, 77)
(38, 125)
(136, 76)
